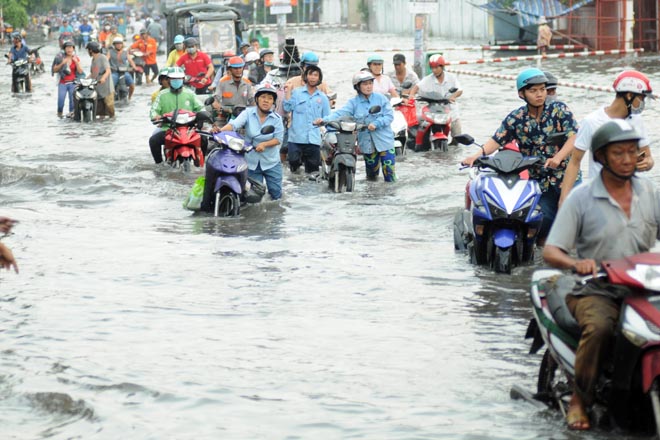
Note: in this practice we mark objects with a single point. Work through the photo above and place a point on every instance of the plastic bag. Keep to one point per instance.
(194, 199)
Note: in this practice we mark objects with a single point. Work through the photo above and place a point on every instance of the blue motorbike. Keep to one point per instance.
(227, 186)
(502, 217)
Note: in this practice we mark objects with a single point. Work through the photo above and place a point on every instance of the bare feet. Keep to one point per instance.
(576, 417)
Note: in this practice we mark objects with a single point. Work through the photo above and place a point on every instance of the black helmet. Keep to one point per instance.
(68, 43)
(616, 130)
(94, 47)
(190, 42)
(552, 80)
(312, 68)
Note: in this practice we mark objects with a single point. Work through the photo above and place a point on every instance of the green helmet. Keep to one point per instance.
(164, 72)
(375, 58)
(616, 130)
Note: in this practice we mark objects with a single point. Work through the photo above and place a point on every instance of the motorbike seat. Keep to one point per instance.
(556, 289)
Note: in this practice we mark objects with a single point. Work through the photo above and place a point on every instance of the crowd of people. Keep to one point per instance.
(579, 218)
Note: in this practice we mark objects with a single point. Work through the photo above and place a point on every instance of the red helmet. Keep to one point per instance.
(235, 62)
(228, 53)
(437, 60)
(632, 81)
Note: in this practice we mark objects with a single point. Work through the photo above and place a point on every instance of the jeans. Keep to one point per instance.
(548, 202)
(64, 90)
(309, 154)
(273, 178)
(127, 76)
(373, 162)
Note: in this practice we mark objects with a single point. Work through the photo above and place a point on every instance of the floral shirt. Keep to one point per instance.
(531, 136)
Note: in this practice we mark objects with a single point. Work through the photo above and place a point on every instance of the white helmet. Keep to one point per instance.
(251, 57)
(118, 39)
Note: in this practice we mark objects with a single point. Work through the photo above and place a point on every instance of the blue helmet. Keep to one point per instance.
(309, 58)
(530, 77)
(375, 58)
(178, 39)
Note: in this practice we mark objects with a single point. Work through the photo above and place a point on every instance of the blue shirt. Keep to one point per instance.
(358, 108)
(305, 109)
(19, 54)
(86, 28)
(68, 28)
(250, 120)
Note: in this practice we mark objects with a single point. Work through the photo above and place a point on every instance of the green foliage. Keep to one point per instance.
(363, 8)
(14, 13)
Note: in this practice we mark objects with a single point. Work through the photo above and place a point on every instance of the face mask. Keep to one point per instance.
(269, 64)
(637, 110)
(191, 50)
(178, 46)
(176, 84)
(550, 99)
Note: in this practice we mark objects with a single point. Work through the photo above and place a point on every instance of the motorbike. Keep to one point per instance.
(21, 74)
(502, 216)
(399, 127)
(45, 30)
(225, 114)
(227, 174)
(138, 59)
(183, 143)
(339, 152)
(85, 97)
(65, 36)
(36, 63)
(434, 114)
(83, 39)
(627, 391)
(121, 89)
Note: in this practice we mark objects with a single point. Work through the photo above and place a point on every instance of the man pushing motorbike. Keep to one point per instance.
(531, 126)
(615, 215)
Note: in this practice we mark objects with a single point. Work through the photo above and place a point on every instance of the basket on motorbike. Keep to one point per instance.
(345, 136)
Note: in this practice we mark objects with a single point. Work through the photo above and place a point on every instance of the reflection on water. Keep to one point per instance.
(319, 316)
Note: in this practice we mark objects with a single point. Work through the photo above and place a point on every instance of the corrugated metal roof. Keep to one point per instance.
(529, 11)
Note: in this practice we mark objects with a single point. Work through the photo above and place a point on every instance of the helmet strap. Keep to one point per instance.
(628, 103)
(607, 167)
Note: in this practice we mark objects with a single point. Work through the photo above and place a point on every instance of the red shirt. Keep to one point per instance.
(72, 72)
(194, 66)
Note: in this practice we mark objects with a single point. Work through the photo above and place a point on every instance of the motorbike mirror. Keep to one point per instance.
(556, 139)
(210, 100)
(333, 96)
(453, 90)
(464, 139)
(202, 117)
(406, 84)
(374, 109)
(267, 129)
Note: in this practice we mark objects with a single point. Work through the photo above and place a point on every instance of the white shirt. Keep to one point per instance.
(430, 84)
(592, 122)
(383, 84)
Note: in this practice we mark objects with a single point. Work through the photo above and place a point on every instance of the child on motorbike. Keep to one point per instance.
(377, 141)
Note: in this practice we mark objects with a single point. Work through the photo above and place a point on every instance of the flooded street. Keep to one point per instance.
(326, 316)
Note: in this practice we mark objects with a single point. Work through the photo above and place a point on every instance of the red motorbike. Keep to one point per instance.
(183, 144)
(627, 391)
(434, 114)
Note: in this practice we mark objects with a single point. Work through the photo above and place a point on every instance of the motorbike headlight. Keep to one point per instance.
(235, 144)
(93, 96)
(494, 208)
(78, 95)
(440, 119)
(637, 330)
(522, 212)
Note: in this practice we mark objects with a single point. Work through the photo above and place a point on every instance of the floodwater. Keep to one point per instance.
(327, 316)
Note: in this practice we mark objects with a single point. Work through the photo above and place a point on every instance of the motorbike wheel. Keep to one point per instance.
(440, 144)
(88, 115)
(227, 203)
(185, 165)
(460, 243)
(350, 180)
(502, 260)
(545, 386)
(340, 179)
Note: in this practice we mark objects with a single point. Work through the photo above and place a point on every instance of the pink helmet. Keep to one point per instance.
(632, 81)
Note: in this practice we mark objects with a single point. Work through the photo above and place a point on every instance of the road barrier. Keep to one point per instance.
(273, 27)
(592, 53)
(443, 49)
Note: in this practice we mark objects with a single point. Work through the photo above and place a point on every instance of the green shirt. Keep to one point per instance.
(166, 102)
